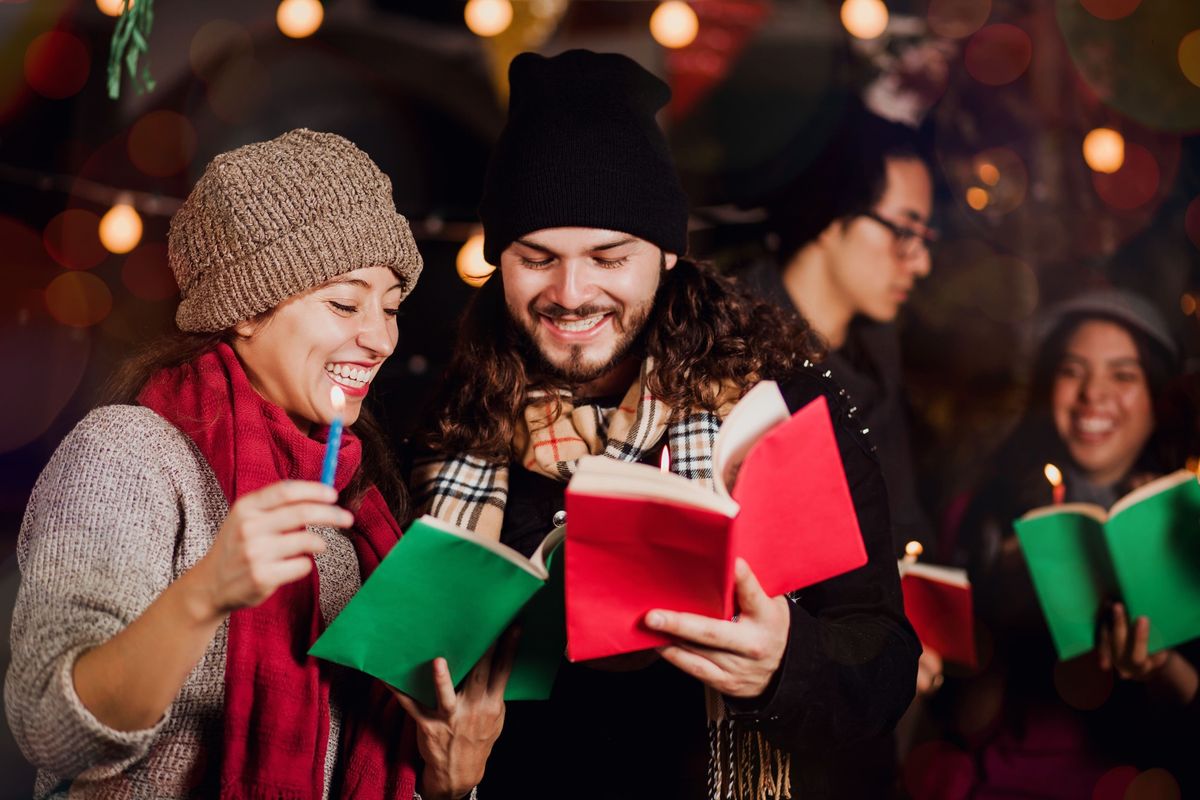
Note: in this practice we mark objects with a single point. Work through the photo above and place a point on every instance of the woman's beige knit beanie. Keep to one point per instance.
(273, 219)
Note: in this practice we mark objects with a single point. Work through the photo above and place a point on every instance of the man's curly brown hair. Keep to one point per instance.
(703, 333)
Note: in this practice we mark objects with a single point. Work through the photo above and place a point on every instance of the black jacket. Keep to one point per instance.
(847, 675)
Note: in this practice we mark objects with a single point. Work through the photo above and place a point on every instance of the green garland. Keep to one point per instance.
(130, 40)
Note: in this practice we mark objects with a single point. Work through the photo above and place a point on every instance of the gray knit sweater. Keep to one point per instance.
(126, 505)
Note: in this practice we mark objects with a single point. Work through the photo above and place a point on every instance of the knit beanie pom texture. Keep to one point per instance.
(273, 219)
(582, 148)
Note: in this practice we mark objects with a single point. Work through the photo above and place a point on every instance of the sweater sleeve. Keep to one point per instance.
(849, 670)
(96, 546)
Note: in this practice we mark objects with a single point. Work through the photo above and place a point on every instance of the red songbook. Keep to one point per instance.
(937, 601)
(639, 538)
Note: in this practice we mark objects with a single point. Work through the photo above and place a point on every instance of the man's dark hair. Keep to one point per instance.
(703, 333)
(846, 179)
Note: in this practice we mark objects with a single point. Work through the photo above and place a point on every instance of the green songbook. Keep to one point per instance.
(1145, 552)
(445, 591)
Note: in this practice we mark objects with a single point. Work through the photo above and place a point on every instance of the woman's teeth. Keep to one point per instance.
(354, 377)
(575, 325)
(1094, 425)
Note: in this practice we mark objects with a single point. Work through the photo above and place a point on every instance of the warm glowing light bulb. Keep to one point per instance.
(488, 17)
(472, 267)
(977, 198)
(674, 24)
(1104, 150)
(299, 18)
(120, 229)
(112, 8)
(865, 19)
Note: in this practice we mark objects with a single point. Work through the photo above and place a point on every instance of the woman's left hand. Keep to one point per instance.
(1125, 650)
(456, 738)
(736, 658)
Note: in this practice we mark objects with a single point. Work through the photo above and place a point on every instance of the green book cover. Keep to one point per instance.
(444, 591)
(1145, 551)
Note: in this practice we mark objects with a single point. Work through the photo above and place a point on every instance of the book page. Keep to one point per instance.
(1150, 489)
(761, 409)
(952, 576)
(597, 475)
(1086, 509)
(535, 568)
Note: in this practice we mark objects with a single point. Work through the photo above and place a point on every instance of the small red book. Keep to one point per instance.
(937, 601)
(639, 538)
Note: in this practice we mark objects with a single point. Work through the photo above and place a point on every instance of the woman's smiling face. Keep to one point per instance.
(338, 333)
(1101, 401)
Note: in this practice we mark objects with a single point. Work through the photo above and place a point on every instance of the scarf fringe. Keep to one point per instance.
(743, 765)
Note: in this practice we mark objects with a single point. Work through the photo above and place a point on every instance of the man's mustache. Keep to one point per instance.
(555, 311)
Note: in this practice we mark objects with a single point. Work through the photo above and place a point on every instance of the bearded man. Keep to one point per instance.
(597, 337)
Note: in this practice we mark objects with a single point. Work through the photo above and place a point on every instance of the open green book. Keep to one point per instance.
(1145, 552)
(445, 591)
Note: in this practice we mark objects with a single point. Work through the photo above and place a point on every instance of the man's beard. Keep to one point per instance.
(574, 371)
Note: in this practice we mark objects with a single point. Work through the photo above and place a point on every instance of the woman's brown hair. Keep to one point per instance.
(378, 465)
(703, 334)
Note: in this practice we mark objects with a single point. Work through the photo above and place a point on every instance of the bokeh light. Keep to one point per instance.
(78, 299)
(161, 143)
(299, 18)
(1110, 9)
(1003, 172)
(472, 267)
(1189, 56)
(1191, 221)
(1187, 304)
(1104, 150)
(998, 54)
(216, 41)
(58, 356)
(1082, 684)
(147, 273)
(988, 172)
(865, 19)
(112, 8)
(674, 24)
(488, 17)
(57, 65)
(1135, 184)
(958, 19)
(121, 228)
(1153, 784)
(977, 198)
(72, 238)
(1114, 783)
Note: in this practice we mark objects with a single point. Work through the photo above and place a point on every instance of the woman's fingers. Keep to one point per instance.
(298, 516)
(285, 493)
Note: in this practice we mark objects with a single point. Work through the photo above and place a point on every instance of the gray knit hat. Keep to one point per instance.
(273, 219)
(1122, 305)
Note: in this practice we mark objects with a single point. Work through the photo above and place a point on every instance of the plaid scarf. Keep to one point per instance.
(552, 436)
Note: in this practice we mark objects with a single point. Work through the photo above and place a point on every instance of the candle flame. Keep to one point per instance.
(914, 549)
(1053, 474)
(338, 398)
(664, 461)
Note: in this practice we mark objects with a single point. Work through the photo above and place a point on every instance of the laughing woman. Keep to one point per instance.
(178, 556)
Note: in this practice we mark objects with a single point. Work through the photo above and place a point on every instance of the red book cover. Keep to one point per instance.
(937, 601)
(638, 538)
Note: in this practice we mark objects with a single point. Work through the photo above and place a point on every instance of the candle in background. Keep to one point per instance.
(664, 461)
(912, 551)
(338, 398)
(1054, 475)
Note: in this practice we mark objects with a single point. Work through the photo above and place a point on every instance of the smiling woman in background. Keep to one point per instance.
(178, 556)
(1100, 410)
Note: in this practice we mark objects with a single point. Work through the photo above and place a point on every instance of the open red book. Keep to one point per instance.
(639, 538)
(937, 601)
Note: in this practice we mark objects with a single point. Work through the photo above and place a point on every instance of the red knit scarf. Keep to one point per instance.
(276, 696)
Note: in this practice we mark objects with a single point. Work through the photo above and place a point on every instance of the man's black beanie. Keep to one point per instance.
(582, 149)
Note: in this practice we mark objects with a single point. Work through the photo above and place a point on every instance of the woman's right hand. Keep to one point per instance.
(264, 542)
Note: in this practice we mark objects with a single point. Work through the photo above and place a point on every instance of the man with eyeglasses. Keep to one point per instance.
(853, 239)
